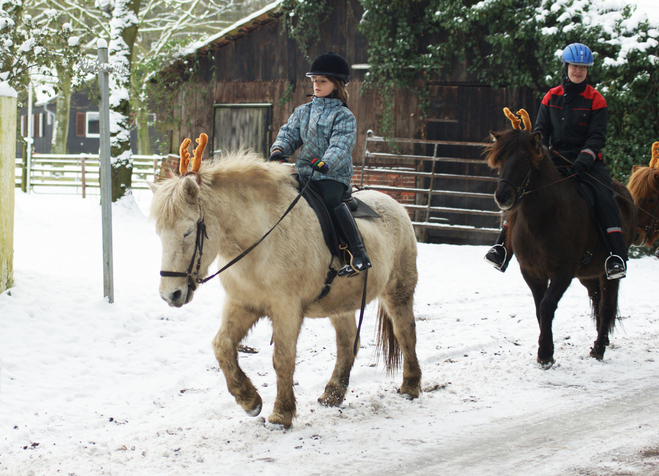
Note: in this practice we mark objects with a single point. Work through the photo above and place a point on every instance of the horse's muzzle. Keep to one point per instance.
(177, 297)
(505, 197)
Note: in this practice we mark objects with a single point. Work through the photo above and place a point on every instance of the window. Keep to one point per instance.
(92, 128)
(38, 125)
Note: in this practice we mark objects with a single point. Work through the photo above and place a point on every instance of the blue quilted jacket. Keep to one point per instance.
(324, 128)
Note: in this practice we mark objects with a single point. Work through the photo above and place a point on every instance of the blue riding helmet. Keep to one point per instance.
(577, 53)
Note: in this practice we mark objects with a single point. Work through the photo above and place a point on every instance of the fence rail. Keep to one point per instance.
(80, 172)
(445, 186)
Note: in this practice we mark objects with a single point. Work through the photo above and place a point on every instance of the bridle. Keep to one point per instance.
(520, 190)
(193, 277)
(198, 248)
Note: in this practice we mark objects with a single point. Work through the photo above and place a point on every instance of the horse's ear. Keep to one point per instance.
(153, 186)
(536, 140)
(635, 168)
(493, 136)
(190, 189)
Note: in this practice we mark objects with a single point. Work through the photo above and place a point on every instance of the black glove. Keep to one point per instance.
(277, 156)
(578, 168)
(320, 166)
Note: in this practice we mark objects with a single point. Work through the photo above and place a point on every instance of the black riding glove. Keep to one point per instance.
(582, 164)
(578, 168)
(277, 156)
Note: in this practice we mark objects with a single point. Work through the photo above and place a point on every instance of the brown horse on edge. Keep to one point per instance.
(644, 187)
(552, 234)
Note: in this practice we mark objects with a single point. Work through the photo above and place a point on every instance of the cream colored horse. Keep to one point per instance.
(240, 197)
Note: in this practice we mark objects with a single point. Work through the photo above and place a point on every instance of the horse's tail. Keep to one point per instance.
(387, 345)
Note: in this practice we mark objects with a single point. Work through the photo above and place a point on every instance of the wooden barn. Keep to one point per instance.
(252, 75)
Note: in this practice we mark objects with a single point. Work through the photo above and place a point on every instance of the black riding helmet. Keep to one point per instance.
(330, 64)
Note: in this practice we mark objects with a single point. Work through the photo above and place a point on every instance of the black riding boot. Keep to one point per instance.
(359, 259)
(615, 264)
(498, 256)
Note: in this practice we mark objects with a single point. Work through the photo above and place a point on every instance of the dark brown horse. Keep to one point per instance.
(644, 187)
(552, 234)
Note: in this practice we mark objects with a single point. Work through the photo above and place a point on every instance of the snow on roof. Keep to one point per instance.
(237, 30)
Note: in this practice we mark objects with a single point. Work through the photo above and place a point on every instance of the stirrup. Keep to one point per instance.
(497, 256)
(616, 269)
(351, 268)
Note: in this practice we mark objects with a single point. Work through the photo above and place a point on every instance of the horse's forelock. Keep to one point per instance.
(643, 183)
(169, 201)
(507, 142)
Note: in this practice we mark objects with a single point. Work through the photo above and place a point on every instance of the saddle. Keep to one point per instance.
(332, 236)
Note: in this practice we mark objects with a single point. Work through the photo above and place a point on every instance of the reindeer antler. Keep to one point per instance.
(202, 141)
(197, 152)
(655, 155)
(185, 156)
(525, 118)
(513, 119)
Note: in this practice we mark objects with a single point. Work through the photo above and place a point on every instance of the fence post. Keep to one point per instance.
(8, 98)
(84, 183)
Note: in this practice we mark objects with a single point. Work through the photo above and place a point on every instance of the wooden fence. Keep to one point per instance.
(78, 173)
(446, 186)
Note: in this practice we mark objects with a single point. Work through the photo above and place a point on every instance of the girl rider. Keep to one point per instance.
(326, 131)
(572, 120)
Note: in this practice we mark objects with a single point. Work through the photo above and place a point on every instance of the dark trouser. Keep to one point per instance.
(332, 193)
(596, 187)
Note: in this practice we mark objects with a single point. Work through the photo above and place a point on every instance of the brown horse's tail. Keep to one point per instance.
(387, 345)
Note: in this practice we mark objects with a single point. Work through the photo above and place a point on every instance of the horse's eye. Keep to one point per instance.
(652, 200)
(188, 233)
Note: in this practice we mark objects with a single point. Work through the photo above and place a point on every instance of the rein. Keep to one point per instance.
(199, 246)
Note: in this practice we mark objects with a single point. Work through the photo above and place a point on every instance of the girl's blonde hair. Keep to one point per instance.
(341, 91)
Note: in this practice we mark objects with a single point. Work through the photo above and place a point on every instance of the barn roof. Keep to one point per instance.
(237, 30)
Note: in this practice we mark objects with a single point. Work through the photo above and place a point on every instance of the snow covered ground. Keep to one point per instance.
(92, 388)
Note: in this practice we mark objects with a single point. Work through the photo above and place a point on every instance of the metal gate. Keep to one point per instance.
(446, 186)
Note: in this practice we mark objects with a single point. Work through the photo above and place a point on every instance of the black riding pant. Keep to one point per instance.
(597, 187)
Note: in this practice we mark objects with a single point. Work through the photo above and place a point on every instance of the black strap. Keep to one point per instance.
(361, 314)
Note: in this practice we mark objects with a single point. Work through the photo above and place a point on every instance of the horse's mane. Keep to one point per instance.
(232, 169)
(644, 182)
(505, 142)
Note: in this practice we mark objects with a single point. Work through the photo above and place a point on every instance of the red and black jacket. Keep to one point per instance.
(573, 123)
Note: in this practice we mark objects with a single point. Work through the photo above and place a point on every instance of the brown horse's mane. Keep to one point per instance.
(505, 142)
(234, 169)
(643, 183)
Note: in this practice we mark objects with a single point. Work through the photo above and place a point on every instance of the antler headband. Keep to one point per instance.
(517, 122)
(197, 152)
(655, 155)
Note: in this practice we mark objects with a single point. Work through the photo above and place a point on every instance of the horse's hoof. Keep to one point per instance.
(546, 364)
(596, 354)
(410, 393)
(274, 426)
(283, 421)
(254, 408)
(333, 396)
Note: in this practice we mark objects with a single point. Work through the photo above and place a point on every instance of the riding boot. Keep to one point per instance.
(359, 260)
(615, 263)
(498, 256)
